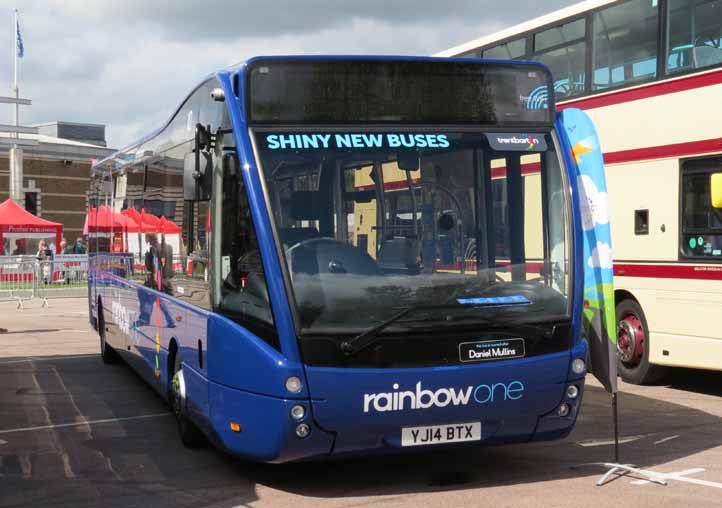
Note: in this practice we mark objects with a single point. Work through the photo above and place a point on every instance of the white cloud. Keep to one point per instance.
(595, 208)
(601, 256)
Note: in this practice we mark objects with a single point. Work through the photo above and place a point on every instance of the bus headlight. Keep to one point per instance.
(578, 366)
(293, 384)
(572, 391)
(298, 412)
(303, 430)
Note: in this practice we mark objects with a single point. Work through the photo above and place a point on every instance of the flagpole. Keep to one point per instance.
(15, 80)
(616, 427)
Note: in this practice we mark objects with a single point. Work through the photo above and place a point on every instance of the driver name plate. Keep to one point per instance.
(488, 350)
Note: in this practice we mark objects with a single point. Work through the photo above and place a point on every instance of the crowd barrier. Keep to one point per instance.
(23, 278)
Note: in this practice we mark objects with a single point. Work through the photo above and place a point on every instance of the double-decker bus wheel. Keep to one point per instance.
(633, 345)
(190, 435)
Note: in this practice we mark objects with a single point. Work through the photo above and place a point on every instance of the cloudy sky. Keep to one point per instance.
(128, 63)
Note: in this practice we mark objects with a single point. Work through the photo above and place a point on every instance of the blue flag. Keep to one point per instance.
(599, 313)
(19, 41)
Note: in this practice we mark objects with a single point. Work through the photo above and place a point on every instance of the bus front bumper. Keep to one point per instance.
(265, 429)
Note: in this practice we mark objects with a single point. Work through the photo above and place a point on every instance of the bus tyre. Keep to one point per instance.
(633, 345)
(107, 353)
(190, 435)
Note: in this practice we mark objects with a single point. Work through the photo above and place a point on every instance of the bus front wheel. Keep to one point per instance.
(633, 345)
(190, 435)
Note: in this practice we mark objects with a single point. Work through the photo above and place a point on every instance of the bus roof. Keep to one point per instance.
(566, 12)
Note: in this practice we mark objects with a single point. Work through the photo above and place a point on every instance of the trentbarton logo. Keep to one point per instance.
(516, 142)
(530, 141)
(421, 398)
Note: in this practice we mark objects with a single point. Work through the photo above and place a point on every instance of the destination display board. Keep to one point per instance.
(397, 91)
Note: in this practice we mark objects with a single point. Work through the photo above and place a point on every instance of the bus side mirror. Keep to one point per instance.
(197, 176)
(198, 167)
(407, 160)
(715, 189)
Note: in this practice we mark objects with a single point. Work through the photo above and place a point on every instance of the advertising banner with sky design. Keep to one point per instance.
(599, 321)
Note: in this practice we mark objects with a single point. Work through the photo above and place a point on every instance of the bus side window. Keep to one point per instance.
(192, 270)
(243, 289)
(192, 247)
(701, 227)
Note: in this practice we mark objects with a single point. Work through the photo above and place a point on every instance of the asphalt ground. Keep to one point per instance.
(77, 433)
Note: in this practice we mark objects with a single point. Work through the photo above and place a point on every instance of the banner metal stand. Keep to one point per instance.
(616, 469)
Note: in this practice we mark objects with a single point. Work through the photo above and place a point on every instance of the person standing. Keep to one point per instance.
(20, 247)
(65, 248)
(79, 246)
(44, 257)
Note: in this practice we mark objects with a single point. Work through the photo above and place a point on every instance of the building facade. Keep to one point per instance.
(56, 171)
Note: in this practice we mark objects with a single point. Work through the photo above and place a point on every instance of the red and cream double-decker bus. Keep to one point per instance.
(649, 74)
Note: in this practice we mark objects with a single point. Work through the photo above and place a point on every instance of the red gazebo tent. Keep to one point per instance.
(118, 226)
(18, 223)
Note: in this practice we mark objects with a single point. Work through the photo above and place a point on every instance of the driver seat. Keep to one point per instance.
(398, 255)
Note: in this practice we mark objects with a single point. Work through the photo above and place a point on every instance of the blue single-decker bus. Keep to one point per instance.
(321, 256)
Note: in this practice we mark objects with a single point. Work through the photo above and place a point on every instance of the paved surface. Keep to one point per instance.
(52, 381)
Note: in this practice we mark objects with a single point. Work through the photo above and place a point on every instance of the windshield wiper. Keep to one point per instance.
(367, 337)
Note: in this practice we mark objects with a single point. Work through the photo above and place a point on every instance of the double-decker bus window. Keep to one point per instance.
(508, 50)
(472, 54)
(562, 34)
(625, 44)
(694, 34)
(563, 49)
(701, 223)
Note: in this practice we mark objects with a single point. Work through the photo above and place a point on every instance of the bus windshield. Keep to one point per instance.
(470, 222)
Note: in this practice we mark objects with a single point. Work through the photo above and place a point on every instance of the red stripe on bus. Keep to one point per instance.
(646, 91)
(662, 151)
(505, 266)
(638, 154)
(700, 272)
(526, 169)
(397, 185)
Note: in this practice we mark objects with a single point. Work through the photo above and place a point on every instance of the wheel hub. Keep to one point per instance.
(178, 390)
(630, 340)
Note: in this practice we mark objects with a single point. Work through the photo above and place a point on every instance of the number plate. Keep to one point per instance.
(437, 434)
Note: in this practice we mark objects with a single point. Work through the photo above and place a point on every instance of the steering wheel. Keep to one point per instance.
(311, 241)
(338, 257)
